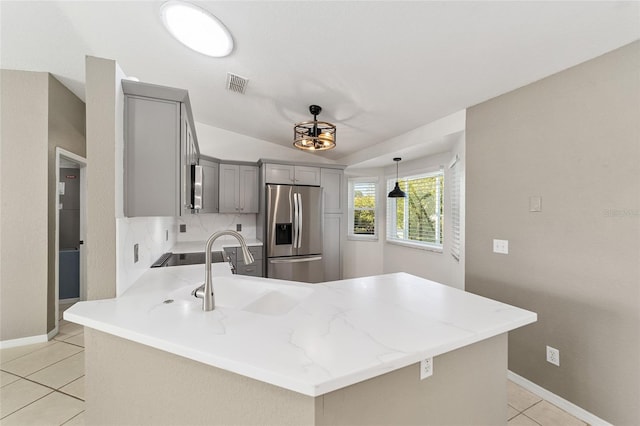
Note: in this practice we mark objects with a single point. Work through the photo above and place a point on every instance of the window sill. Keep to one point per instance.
(416, 246)
(362, 237)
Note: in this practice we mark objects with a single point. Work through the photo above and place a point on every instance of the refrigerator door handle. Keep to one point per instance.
(296, 220)
(296, 260)
(300, 220)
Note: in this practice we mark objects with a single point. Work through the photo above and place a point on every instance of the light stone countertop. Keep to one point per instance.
(218, 245)
(323, 337)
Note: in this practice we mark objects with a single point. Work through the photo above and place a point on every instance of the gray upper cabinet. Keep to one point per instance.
(211, 176)
(292, 174)
(238, 188)
(152, 157)
(159, 148)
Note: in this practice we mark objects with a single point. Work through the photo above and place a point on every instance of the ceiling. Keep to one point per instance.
(378, 69)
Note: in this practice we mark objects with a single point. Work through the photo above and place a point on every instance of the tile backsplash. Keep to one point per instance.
(157, 235)
(200, 226)
(153, 235)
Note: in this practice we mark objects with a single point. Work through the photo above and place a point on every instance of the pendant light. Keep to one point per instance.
(397, 192)
(314, 135)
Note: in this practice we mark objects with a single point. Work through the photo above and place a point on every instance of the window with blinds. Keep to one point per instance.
(418, 218)
(454, 185)
(362, 208)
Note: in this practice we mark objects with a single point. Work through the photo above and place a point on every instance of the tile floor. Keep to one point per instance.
(43, 384)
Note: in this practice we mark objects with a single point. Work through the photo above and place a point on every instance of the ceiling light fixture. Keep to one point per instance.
(314, 135)
(196, 28)
(397, 192)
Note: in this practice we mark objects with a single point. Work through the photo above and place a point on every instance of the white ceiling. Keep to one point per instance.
(378, 69)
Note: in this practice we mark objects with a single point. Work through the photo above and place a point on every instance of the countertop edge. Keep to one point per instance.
(286, 382)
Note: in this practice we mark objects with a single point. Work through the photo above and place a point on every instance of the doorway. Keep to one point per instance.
(70, 271)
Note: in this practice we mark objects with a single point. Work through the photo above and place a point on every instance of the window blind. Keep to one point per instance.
(454, 185)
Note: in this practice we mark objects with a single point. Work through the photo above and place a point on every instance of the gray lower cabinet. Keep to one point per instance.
(234, 254)
(238, 188)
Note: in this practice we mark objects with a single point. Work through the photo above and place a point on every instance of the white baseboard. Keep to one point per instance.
(53, 332)
(23, 341)
(558, 401)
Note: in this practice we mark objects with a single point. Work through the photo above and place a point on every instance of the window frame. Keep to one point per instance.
(391, 211)
(351, 210)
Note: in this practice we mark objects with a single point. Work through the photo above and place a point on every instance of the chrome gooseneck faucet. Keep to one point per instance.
(205, 291)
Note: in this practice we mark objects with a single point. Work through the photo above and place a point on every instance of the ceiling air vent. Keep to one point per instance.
(235, 83)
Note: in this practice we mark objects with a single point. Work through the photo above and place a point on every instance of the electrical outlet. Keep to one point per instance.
(135, 253)
(426, 368)
(553, 356)
(501, 246)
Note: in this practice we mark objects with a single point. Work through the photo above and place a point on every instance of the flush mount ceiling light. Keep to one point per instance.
(196, 28)
(397, 192)
(314, 135)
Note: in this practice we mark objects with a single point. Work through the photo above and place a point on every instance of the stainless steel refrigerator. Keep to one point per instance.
(294, 233)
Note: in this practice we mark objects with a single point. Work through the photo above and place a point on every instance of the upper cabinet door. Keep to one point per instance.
(248, 189)
(289, 174)
(238, 188)
(305, 175)
(333, 183)
(210, 197)
(229, 188)
(152, 157)
(280, 173)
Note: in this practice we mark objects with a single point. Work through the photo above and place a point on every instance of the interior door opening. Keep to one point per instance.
(70, 230)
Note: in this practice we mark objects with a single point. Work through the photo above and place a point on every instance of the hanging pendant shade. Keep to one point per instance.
(397, 192)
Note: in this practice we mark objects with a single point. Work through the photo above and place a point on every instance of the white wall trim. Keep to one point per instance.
(24, 341)
(558, 401)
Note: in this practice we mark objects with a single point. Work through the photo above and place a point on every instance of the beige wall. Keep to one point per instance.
(23, 214)
(67, 131)
(38, 115)
(573, 139)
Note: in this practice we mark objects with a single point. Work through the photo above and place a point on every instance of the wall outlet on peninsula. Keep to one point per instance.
(553, 356)
(426, 368)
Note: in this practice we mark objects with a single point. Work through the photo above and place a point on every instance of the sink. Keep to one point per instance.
(248, 295)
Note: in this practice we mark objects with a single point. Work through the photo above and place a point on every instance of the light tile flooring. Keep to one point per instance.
(43, 384)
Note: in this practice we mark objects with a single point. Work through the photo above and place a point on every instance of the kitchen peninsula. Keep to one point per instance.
(279, 352)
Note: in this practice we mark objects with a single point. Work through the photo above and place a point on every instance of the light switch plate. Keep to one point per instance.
(501, 246)
(535, 204)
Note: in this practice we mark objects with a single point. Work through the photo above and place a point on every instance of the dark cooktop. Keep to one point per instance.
(180, 259)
